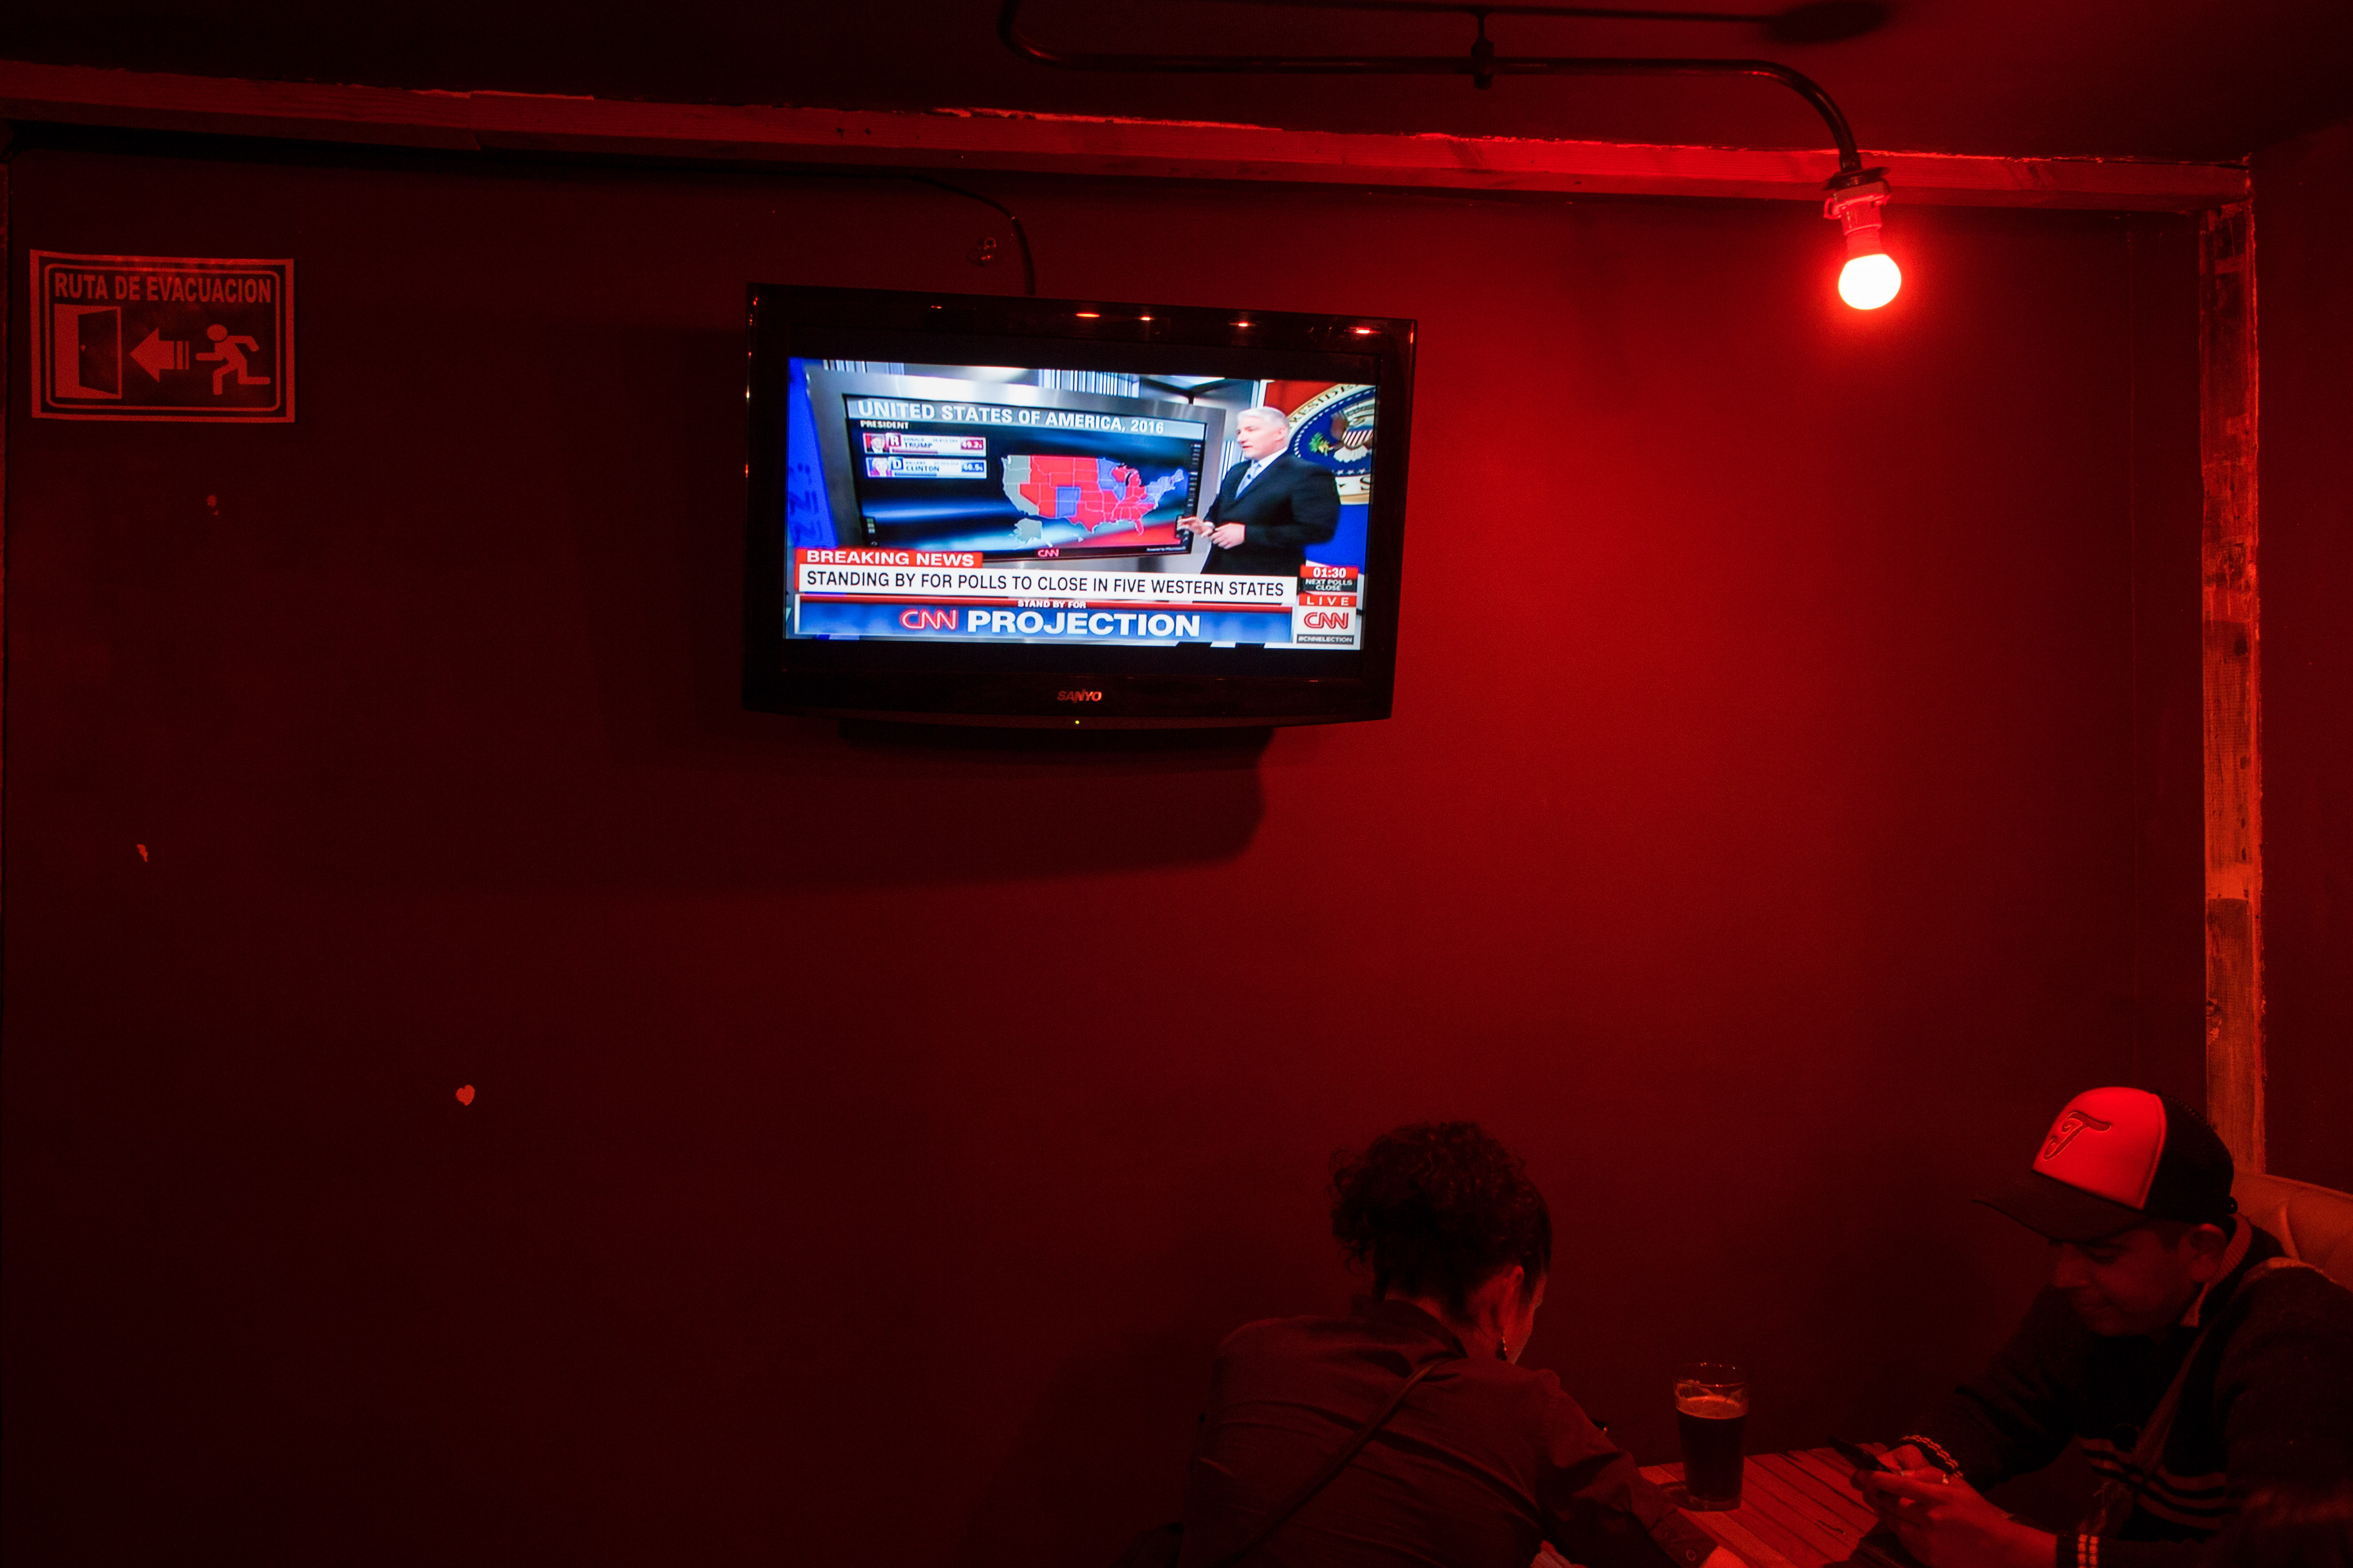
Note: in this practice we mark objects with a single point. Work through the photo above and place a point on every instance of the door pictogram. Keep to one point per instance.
(87, 344)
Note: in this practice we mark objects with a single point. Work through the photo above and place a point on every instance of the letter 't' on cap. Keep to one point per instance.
(2116, 1158)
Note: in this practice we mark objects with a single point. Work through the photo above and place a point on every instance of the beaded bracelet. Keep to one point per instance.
(1934, 1452)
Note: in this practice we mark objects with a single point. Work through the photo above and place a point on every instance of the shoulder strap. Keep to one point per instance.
(2115, 1498)
(1332, 1466)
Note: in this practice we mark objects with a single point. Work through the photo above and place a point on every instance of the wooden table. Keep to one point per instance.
(1797, 1510)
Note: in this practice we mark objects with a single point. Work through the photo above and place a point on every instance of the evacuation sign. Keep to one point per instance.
(162, 337)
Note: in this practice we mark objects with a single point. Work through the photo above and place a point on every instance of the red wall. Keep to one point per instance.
(874, 1137)
(2304, 303)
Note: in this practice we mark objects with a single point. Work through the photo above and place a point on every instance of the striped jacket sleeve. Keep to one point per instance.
(2016, 1417)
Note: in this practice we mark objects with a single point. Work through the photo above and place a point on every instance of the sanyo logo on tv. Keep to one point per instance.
(1078, 696)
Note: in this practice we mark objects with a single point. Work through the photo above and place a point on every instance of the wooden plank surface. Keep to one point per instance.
(1753, 1548)
(1771, 1526)
(1797, 1510)
(1829, 1477)
(1773, 1486)
(2227, 403)
(1083, 144)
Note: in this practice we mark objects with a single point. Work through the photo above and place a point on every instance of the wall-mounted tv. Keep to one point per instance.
(983, 509)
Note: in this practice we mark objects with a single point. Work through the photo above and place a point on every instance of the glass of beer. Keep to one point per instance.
(1711, 1409)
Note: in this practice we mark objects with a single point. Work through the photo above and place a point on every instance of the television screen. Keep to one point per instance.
(1020, 510)
(961, 457)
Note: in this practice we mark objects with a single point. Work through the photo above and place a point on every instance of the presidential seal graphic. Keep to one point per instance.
(1334, 429)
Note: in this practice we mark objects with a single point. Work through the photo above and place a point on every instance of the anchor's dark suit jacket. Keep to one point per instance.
(1289, 506)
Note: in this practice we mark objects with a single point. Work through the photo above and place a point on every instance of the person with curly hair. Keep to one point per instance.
(1408, 1432)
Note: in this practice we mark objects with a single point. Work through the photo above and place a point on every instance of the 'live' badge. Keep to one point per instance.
(162, 337)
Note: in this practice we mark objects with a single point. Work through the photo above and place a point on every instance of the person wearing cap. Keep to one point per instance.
(2191, 1361)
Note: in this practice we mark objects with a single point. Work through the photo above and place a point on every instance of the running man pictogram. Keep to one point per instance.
(232, 357)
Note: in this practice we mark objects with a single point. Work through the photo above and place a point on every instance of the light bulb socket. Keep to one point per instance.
(1860, 208)
(1857, 180)
(1863, 203)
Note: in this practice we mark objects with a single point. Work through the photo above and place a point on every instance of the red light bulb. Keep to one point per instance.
(1869, 280)
(1871, 277)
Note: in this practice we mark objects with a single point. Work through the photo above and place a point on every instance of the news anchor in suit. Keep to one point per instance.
(1272, 506)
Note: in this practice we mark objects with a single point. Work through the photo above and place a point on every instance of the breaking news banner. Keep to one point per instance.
(961, 596)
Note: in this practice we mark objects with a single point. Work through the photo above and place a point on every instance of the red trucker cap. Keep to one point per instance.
(2116, 1158)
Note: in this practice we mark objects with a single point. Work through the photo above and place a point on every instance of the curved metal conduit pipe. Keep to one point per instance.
(1481, 64)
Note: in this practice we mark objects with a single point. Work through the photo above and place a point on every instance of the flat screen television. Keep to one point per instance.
(983, 509)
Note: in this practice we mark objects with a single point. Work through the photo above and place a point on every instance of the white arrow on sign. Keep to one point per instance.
(157, 354)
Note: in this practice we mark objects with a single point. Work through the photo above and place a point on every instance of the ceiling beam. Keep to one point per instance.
(1068, 144)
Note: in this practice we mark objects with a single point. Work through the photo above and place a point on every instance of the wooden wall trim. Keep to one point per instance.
(7, 315)
(988, 139)
(2228, 400)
